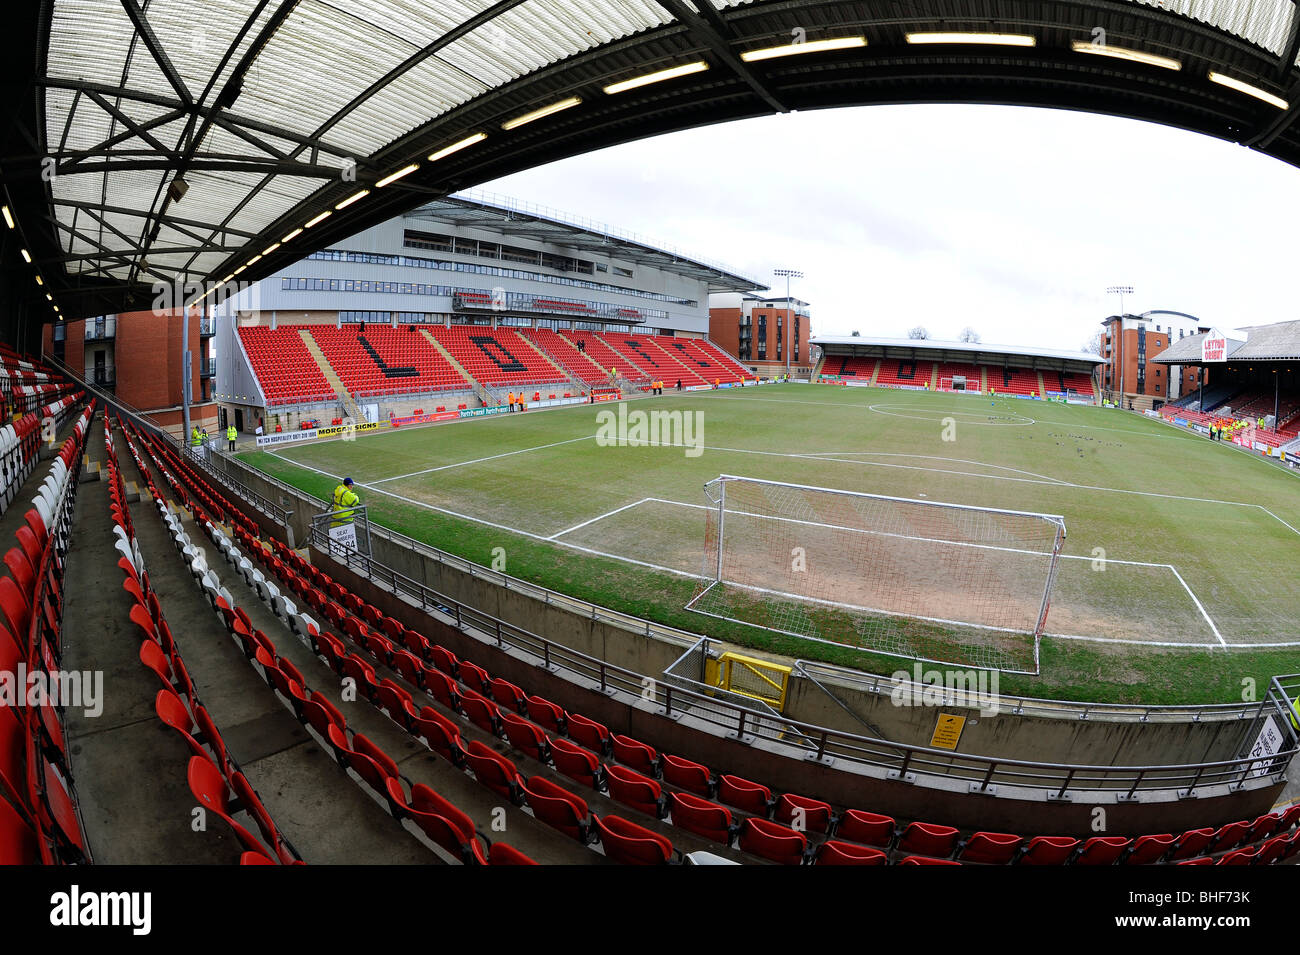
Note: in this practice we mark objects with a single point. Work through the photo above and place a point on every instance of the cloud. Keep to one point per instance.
(1012, 220)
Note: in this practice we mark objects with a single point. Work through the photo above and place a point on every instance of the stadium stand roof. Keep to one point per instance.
(524, 220)
(182, 141)
(978, 353)
(1277, 342)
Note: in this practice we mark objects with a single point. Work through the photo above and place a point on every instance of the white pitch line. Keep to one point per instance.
(1148, 643)
(935, 457)
(503, 527)
(490, 457)
(1218, 635)
(598, 517)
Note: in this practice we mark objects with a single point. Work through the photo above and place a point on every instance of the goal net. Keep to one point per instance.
(919, 579)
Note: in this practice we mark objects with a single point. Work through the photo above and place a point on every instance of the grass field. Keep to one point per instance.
(1197, 591)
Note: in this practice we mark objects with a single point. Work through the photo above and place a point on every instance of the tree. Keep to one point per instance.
(1093, 345)
(918, 332)
(969, 334)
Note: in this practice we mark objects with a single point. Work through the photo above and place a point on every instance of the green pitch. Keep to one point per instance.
(1177, 579)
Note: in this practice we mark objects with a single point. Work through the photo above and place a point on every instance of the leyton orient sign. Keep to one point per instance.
(1214, 347)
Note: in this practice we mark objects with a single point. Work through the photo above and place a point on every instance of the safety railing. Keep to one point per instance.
(897, 760)
(957, 696)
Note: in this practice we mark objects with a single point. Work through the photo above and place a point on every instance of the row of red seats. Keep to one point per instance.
(495, 356)
(488, 702)
(212, 772)
(406, 350)
(446, 825)
(560, 348)
(39, 818)
(284, 367)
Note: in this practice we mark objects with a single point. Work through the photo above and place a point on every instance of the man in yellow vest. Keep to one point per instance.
(344, 500)
(231, 435)
(510, 401)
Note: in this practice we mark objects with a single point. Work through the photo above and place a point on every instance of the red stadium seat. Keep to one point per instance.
(803, 814)
(1228, 837)
(990, 848)
(526, 737)
(210, 790)
(926, 860)
(701, 817)
(867, 828)
(771, 841)
(922, 838)
(545, 713)
(442, 735)
(558, 808)
(1190, 843)
(1047, 850)
(846, 853)
(442, 822)
(687, 775)
(589, 734)
(502, 854)
(752, 797)
(494, 771)
(576, 763)
(630, 844)
(635, 754)
(634, 790)
(1244, 856)
(481, 711)
(1102, 850)
(1147, 850)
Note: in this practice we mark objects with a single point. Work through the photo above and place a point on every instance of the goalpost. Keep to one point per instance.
(920, 579)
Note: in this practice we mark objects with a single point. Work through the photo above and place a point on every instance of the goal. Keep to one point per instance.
(920, 579)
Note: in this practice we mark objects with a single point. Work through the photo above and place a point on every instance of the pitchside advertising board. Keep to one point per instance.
(291, 436)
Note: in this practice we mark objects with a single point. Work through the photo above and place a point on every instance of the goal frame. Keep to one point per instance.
(1036, 634)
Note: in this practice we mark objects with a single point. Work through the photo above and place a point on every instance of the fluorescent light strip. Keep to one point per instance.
(26, 256)
(39, 280)
(541, 113)
(255, 258)
(670, 74)
(353, 198)
(1255, 91)
(457, 147)
(227, 278)
(394, 176)
(49, 296)
(292, 235)
(981, 39)
(1120, 53)
(320, 218)
(271, 248)
(9, 219)
(238, 270)
(813, 46)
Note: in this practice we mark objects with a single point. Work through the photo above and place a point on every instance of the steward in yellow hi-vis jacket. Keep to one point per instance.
(344, 500)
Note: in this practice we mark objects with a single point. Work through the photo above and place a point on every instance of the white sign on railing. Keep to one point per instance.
(1269, 743)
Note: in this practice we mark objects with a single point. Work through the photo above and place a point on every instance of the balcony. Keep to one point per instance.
(207, 327)
(101, 329)
(207, 368)
(103, 377)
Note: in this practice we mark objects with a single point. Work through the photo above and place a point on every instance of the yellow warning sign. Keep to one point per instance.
(947, 731)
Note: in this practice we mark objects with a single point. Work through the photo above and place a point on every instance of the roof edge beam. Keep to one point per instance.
(709, 28)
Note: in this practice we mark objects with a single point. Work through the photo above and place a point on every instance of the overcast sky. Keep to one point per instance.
(1011, 220)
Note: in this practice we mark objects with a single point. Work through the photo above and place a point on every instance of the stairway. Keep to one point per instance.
(350, 406)
(575, 382)
(480, 392)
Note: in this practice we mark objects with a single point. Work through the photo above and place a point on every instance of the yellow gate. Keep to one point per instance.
(750, 676)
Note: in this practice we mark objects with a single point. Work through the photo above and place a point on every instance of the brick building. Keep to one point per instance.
(753, 330)
(1129, 341)
(138, 357)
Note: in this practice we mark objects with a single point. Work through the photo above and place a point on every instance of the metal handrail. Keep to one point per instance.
(1035, 706)
(900, 760)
